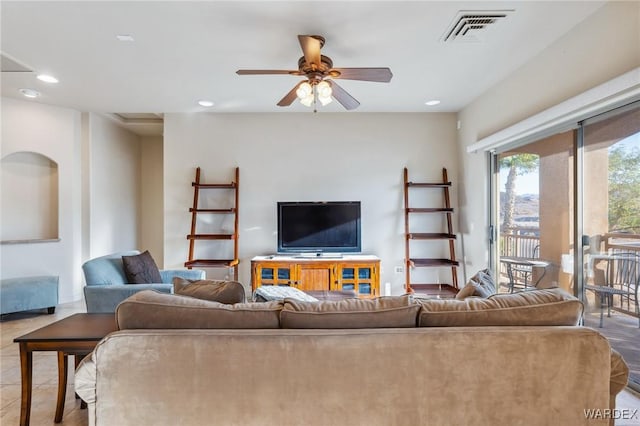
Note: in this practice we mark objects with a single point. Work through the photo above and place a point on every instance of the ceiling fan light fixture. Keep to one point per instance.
(316, 67)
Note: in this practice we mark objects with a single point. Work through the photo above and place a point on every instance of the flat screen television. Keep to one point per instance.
(319, 227)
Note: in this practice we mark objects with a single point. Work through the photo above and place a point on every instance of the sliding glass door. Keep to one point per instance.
(611, 229)
(535, 209)
(568, 215)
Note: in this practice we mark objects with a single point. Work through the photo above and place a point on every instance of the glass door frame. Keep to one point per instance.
(493, 214)
(578, 206)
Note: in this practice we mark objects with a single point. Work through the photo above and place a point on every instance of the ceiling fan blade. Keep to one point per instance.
(311, 48)
(341, 95)
(291, 96)
(382, 75)
(261, 72)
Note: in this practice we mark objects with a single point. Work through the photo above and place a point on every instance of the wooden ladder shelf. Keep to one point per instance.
(430, 289)
(194, 236)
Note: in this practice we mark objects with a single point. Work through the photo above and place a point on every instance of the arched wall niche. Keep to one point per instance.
(29, 198)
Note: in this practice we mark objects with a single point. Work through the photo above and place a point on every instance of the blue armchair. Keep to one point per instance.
(106, 282)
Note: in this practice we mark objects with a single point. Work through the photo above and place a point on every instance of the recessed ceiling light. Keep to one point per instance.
(30, 93)
(432, 102)
(47, 78)
(205, 103)
(124, 37)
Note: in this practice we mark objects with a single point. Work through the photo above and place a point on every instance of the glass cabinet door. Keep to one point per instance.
(358, 278)
(276, 274)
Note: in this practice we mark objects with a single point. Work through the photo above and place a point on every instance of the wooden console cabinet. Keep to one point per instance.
(360, 273)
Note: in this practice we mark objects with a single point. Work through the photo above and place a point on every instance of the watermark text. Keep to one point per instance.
(611, 413)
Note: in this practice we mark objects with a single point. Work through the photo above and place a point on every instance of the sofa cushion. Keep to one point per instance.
(536, 307)
(382, 312)
(141, 269)
(228, 292)
(275, 292)
(153, 310)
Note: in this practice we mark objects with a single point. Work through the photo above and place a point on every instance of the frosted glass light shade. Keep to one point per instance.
(325, 100)
(304, 90)
(324, 90)
(307, 101)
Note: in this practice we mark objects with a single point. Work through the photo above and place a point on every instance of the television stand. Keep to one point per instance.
(327, 272)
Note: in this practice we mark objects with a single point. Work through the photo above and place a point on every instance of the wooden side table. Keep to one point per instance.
(75, 335)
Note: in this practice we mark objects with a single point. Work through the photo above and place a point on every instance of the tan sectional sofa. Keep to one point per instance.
(386, 361)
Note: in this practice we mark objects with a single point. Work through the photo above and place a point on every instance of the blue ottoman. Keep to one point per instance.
(27, 293)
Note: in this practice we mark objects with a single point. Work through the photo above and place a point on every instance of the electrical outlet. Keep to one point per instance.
(398, 269)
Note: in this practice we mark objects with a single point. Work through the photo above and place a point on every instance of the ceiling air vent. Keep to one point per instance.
(471, 25)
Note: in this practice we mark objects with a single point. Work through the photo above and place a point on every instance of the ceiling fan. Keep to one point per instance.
(319, 84)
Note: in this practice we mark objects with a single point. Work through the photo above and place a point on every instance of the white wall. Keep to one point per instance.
(305, 157)
(603, 46)
(114, 187)
(55, 133)
(151, 198)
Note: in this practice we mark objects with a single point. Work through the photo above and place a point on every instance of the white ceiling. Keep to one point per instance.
(186, 51)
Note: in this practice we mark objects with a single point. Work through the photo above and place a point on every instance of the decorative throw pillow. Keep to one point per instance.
(141, 269)
(227, 292)
(485, 283)
(468, 290)
(481, 284)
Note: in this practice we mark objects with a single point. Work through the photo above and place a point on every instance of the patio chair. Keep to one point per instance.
(622, 278)
(521, 273)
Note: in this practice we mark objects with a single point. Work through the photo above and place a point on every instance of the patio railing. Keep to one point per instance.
(620, 242)
(520, 242)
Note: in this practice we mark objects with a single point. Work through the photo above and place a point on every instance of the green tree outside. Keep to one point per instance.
(624, 189)
(518, 164)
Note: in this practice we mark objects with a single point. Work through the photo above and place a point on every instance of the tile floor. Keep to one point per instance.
(45, 377)
(45, 372)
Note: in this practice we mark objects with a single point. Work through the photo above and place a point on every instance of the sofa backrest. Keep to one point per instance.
(106, 270)
(152, 310)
